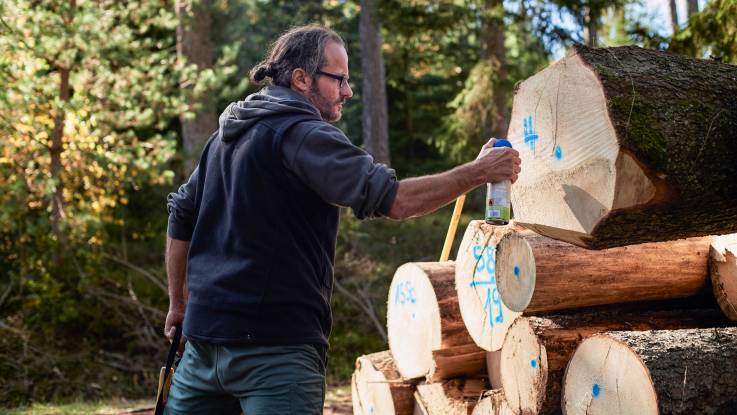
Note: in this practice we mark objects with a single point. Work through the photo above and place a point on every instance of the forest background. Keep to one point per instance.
(105, 106)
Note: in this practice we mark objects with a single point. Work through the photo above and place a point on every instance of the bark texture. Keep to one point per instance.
(692, 371)
(557, 337)
(374, 117)
(678, 116)
(570, 277)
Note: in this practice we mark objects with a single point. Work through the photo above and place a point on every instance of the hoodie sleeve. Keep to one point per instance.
(340, 172)
(182, 210)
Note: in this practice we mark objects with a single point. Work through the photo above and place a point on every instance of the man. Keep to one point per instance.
(254, 231)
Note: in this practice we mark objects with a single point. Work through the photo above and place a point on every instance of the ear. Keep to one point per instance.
(301, 81)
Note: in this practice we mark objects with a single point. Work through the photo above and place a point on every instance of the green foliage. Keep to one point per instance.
(711, 33)
(472, 107)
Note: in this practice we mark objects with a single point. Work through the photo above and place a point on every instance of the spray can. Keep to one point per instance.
(498, 203)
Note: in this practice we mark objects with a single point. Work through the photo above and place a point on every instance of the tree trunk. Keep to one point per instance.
(626, 145)
(723, 270)
(492, 403)
(536, 350)
(55, 150)
(455, 397)
(486, 316)
(692, 7)
(195, 47)
(425, 326)
(378, 388)
(674, 17)
(374, 117)
(654, 372)
(537, 274)
(591, 36)
(492, 49)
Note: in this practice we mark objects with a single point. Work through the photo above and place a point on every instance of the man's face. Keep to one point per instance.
(326, 93)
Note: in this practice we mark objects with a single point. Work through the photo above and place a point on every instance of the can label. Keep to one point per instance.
(498, 206)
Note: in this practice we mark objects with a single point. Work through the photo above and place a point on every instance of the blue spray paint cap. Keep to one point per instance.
(502, 142)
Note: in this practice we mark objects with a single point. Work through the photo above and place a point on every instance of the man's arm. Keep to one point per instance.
(421, 195)
(176, 275)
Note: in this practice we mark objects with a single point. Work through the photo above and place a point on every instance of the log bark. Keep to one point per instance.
(485, 315)
(654, 372)
(536, 350)
(538, 274)
(378, 388)
(723, 271)
(427, 336)
(374, 119)
(454, 397)
(626, 145)
(492, 403)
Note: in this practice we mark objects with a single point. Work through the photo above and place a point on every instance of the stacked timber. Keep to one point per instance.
(427, 336)
(378, 388)
(529, 319)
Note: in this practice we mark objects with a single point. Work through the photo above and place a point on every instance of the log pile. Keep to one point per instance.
(521, 323)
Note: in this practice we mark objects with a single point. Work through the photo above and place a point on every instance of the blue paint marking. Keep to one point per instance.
(533, 363)
(486, 267)
(558, 152)
(516, 271)
(413, 316)
(596, 390)
(531, 137)
(405, 293)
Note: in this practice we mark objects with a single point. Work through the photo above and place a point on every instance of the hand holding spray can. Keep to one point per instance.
(498, 203)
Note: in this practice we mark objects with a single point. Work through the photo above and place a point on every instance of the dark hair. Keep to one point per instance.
(301, 47)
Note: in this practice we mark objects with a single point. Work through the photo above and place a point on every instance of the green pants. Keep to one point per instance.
(258, 380)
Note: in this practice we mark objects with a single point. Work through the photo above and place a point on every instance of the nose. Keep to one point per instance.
(346, 92)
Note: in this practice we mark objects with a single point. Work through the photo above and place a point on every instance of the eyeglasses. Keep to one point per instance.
(342, 79)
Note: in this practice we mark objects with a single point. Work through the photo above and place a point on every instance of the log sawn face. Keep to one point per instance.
(626, 145)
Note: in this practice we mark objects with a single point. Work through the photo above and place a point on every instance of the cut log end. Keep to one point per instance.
(601, 373)
(484, 313)
(523, 368)
(723, 266)
(492, 403)
(413, 320)
(515, 271)
(376, 387)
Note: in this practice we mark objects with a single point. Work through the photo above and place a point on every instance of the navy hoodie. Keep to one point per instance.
(261, 213)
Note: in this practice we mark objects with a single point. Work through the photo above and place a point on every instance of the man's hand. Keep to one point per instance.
(499, 163)
(175, 317)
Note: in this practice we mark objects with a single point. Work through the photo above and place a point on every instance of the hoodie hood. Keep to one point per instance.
(271, 101)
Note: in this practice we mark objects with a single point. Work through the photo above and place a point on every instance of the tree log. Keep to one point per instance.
(492, 403)
(486, 316)
(626, 145)
(653, 372)
(548, 275)
(454, 397)
(378, 388)
(426, 332)
(723, 270)
(536, 350)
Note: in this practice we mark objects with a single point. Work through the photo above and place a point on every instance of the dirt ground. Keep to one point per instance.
(337, 402)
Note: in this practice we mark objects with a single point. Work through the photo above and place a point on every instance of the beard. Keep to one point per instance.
(324, 105)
